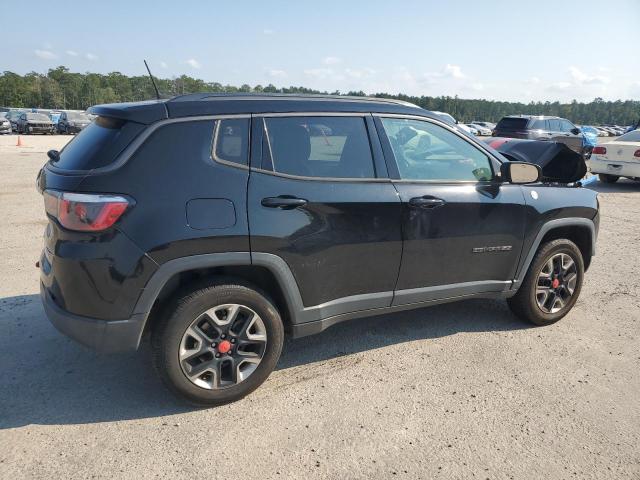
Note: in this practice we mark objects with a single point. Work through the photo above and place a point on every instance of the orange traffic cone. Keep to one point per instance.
(19, 142)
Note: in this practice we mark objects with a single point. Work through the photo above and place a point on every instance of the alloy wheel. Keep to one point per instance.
(556, 283)
(223, 346)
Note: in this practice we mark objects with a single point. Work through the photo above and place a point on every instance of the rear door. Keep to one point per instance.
(462, 228)
(319, 198)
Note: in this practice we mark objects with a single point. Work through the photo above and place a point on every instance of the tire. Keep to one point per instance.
(172, 343)
(605, 178)
(525, 303)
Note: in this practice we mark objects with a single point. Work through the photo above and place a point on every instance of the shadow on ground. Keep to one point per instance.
(46, 378)
(621, 186)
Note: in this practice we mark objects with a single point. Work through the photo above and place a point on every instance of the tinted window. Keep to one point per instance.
(330, 147)
(508, 123)
(539, 125)
(633, 136)
(425, 151)
(554, 125)
(566, 125)
(232, 141)
(98, 144)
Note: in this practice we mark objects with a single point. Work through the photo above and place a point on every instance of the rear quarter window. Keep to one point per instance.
(98, 144)
(512, 124)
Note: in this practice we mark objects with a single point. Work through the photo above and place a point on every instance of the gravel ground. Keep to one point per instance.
(456, 391)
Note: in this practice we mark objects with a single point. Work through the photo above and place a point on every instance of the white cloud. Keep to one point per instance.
(331, 60)
(534, 80)
(581, 78)
(319, 72)
(453, 71)
(45, 54)
(193, 63)
(477, 87)
(71, 53)
(274, 72)
(359, 73)
(91, 57)
(164, 65)
(559, 86)
(268, 31)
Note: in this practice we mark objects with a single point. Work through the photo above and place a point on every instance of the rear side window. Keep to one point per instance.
(554, 125)
(327, 147)
(512, 124)
(232, 141)
(98, 144)
(539, 125)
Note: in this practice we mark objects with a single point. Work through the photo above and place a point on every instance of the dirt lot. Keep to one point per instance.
(457, 391)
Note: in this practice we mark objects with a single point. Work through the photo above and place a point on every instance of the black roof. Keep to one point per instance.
(200, 104)
(539, 117)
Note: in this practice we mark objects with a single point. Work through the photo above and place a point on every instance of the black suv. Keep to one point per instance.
(541, 128)
(215, 223)
(72, 122)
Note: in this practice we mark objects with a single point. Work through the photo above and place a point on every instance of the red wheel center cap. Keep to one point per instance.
(224, 346)
(555, 283)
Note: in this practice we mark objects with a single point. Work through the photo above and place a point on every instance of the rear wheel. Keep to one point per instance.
(552, 285)
(606, 178)
(219, 344)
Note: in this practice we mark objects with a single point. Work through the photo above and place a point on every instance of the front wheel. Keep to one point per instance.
(219, 344)
(552, 285)
(606, 178)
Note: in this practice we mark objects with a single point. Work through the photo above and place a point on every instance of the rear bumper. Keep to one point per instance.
(620, 169)
(105, 336)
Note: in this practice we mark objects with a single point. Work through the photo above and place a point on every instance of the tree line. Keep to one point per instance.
(61, 89)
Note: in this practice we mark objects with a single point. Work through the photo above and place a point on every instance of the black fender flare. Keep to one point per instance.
(525, 260)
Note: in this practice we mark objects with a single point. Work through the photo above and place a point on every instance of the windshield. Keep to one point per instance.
(633, 136)
(78, 117)
(40, 117)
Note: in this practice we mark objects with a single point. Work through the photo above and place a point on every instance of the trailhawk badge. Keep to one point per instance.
(501, 248)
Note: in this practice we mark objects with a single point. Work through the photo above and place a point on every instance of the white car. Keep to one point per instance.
(472, 128)
(452, 121)
(618, 158)
(482, 130)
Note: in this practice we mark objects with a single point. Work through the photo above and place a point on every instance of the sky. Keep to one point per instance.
(492, 49)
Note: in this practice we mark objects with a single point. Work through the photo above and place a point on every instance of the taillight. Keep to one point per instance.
(636, 153)
(599, 150)
(83, 211)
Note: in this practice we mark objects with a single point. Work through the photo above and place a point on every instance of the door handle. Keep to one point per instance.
(426, 202)
(283, 202)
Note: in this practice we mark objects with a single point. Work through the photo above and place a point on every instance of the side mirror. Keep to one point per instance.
(576, 131)
(520, 172)
(53, 155)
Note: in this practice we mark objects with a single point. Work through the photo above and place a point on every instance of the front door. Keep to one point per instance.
(317, 201)
(462, 228)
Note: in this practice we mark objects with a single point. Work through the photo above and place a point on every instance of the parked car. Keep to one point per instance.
(617, 158)
(5, 124)
(472, 128)
(482, 130)
(488, 125)
(72, 122)
(452, 121)
(29, 123)
(215, 249)
(13, 116)
(541, 128)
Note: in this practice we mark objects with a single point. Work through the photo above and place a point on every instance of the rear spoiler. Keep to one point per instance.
(140, 112)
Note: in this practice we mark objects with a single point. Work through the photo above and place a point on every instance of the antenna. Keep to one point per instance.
(152, 80)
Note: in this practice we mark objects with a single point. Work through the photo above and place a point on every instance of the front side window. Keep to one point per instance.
(426, 151)
(566, 125)
(232, 141)
(326, 147)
